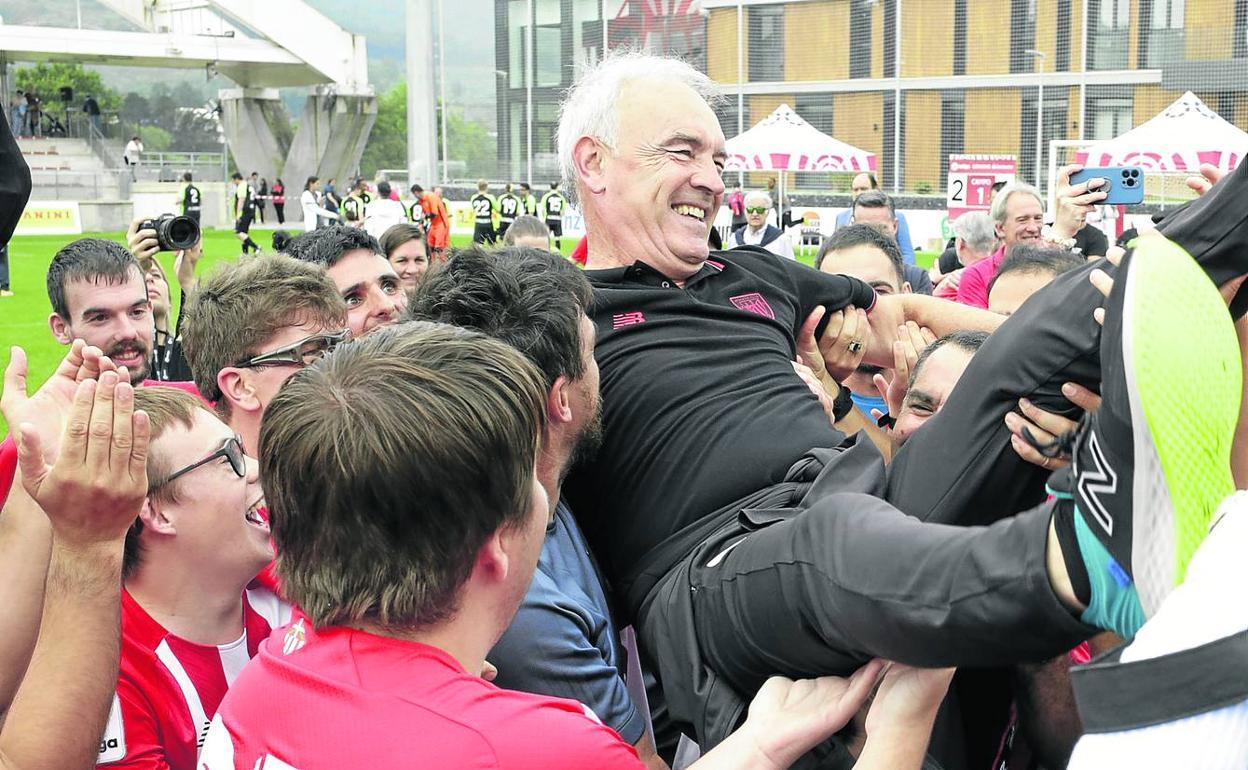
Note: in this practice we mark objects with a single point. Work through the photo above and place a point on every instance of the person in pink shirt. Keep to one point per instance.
(1018, 211)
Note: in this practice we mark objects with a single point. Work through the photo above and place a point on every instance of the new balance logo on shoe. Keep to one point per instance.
(620, 320)
(1096, 481)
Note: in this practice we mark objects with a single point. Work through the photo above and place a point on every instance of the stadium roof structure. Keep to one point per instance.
(255, 43)
(1180, 138)
(784, 141)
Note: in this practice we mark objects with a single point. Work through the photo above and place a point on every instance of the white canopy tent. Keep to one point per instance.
(1181, 138)
(783, 141)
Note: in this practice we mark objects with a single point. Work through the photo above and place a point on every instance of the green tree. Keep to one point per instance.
(467, 140)
(46, 79)
(155, 138)
(387, 144)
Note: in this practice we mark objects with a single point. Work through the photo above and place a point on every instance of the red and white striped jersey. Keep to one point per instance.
(169, 688)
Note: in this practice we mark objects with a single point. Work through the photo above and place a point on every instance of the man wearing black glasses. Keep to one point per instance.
(191, 616)
(757, 232)
(251, 327)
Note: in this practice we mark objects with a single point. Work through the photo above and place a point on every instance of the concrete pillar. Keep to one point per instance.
(257, 130)
(422, 154)
(329, 142)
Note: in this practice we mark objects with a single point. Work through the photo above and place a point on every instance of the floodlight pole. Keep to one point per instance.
(897, 99)
(446, 156)
(422, 153)
(528, 90)
(1039, 59)
(740, 82)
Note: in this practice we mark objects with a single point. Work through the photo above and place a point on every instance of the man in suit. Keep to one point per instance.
(757, 232)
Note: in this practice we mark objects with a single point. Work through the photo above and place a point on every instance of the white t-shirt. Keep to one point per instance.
(381, 214)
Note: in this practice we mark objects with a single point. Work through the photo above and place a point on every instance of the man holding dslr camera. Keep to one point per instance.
(145, 238)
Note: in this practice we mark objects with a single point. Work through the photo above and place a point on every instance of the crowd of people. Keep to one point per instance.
(373, 502)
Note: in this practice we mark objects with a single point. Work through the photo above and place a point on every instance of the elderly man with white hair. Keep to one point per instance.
(975, 239)
(756, 231)
(717, 502)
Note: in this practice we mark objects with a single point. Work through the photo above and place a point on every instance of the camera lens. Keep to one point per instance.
(176, 233)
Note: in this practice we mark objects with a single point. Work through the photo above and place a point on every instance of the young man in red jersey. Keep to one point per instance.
(410, 549)
(189, 621)
(61, 535)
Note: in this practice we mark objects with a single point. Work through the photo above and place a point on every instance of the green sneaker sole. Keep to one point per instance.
(1184, 376)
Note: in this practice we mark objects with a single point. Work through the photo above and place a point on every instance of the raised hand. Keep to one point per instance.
(96, 486)
(47, 410)
(142, 243)
(1075, 202)
(844, 342)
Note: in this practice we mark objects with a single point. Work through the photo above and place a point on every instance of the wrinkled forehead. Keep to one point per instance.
(941, 371)
(651, 110)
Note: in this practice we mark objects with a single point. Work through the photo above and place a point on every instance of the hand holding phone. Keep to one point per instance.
(1124, 184)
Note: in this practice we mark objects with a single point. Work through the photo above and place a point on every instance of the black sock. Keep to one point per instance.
(1064, 523)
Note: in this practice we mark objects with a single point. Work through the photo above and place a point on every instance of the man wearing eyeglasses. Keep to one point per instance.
(189, 620)
(757, 232)
(251, 326)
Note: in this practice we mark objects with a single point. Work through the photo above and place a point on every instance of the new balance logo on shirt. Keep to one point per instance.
(620, 320)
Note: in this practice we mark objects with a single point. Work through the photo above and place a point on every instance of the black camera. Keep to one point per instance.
(173, 232)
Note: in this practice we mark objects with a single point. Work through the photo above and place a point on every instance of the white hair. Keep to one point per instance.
(589, 109)
(1003, 197)
(976, 231)
(757, 194)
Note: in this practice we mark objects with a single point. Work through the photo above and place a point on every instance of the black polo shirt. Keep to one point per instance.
(701, 405)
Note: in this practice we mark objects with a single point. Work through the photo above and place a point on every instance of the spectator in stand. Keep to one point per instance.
(404, 245)
(756, 231)
(736, 205)
(34, 114)
(354, 261)
(17, 113)
(91, 108)
(975, 239)
(132, 155)
(189, 621)
(279, 200)
(1027, 270)
(876, 209)
(383, 212)
(310, 203)
(528, 232)
(404, 663)
(61, 556)
(866, 182)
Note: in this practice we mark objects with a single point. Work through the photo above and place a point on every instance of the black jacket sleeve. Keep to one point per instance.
(14, 183)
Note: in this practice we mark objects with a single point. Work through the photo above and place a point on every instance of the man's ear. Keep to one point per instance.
(590, 159)
(156, 518)
(60, 329)
(493, 562)
(906, 288)
(559, 401)
(236, 388)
